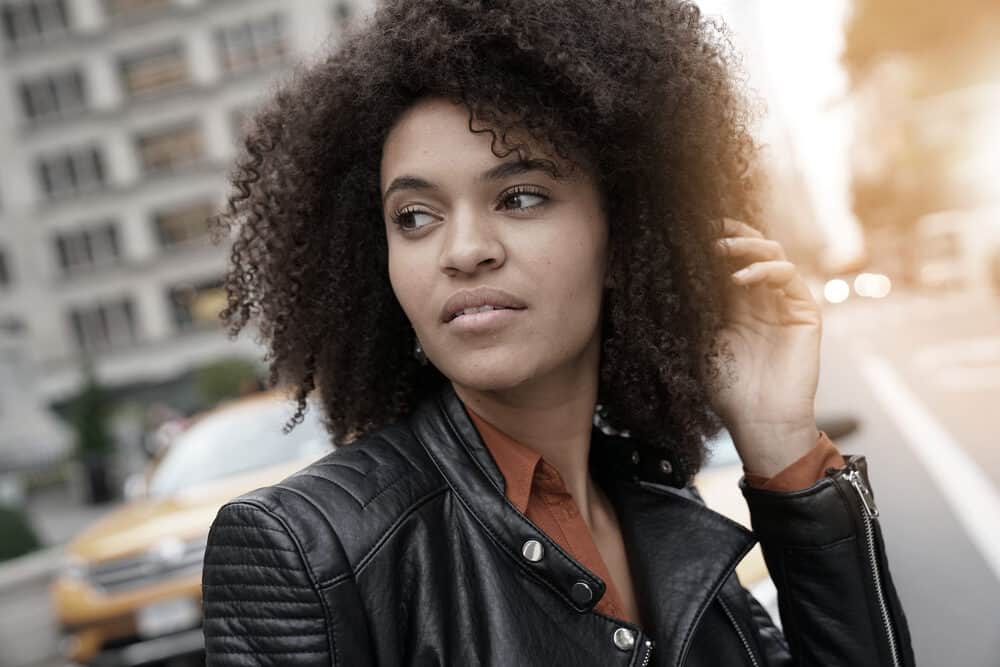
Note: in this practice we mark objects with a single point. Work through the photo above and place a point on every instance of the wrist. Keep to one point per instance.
(766, 451)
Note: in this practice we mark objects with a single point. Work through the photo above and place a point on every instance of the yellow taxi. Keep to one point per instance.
(130, 590)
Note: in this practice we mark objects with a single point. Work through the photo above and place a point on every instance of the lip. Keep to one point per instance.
(475, 298)
(483, 323)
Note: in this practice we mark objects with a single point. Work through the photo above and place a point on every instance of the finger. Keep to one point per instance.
(773, 273)
(778, 274)
(732, 227)
(753, 248)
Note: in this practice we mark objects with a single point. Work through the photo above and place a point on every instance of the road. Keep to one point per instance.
(922, 373)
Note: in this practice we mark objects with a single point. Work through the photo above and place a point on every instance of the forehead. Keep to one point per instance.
(434, 136)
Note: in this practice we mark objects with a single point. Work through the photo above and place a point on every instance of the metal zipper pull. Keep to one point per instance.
(853, 476)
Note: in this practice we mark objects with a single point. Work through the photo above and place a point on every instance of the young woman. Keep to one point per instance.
(476, 230)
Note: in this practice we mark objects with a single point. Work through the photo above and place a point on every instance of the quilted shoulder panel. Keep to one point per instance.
(261, 606)
(343, 505)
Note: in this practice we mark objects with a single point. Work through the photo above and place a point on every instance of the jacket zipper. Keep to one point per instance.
(648, 647)
(732, 621)
(869, 515)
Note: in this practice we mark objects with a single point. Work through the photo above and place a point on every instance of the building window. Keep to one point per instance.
(165, 150)
(197, 305)
(33, 20)
(87, 249)
(104, 326)
(154, 70)
(54, 95)
(5, 279)
(124, 8)
(183, 224)
(252, 43)
(72, 173)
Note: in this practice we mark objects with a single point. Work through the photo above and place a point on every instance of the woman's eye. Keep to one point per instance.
(522, 199)
(412, 219)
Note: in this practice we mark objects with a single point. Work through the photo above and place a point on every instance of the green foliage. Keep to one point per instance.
(90, 414)
(16, 536)
(226, 379)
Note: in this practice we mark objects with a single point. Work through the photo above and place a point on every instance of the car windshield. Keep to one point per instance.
(237, 440)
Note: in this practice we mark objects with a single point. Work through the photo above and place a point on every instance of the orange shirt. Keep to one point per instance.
(537, 491)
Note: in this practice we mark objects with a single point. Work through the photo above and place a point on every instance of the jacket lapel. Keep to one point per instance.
(680, 552)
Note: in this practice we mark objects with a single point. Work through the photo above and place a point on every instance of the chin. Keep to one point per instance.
(492, 372)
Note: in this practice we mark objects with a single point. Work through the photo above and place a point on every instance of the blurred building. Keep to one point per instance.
(118, 122)
(925, 161)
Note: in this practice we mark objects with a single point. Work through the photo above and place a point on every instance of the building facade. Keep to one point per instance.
(118, 123)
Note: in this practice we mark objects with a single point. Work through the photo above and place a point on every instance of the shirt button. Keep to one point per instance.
(665, 467)
(533, 550)
(624, 639)
(581, 593)
(635, 457)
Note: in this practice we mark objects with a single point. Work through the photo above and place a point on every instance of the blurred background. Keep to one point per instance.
(118, 122)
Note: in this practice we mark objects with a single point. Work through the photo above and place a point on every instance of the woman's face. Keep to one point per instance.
(468, 230)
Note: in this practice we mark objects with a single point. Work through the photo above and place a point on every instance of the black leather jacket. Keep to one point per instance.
(402, 549)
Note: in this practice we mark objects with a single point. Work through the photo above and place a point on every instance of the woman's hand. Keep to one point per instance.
(772, 328)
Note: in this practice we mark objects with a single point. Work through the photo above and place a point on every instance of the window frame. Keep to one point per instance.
(99, 327)
(254, 39)
(184, 134)
(147, 57)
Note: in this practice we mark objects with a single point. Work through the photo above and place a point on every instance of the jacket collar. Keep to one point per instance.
(680, 552)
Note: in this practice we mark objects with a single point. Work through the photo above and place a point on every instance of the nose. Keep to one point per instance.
(470, 244)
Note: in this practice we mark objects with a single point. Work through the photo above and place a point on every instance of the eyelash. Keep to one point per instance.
(398, 215)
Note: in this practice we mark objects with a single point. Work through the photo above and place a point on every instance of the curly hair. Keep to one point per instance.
(647, 92)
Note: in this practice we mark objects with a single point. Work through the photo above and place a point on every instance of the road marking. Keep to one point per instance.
(973, 497)
(962, 352)
(960, 379)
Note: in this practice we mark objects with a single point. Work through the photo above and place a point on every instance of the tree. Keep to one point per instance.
(225, 379)
(95, 445)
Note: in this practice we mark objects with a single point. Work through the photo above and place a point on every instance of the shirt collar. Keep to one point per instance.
(517, 462)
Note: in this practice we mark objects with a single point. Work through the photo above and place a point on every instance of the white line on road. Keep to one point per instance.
(973, 498)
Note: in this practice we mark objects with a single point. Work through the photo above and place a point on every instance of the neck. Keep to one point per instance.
(552, 415)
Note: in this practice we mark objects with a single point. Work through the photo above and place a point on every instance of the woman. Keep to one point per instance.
(476, 230)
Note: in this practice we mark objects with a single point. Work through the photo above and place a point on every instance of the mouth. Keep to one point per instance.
(475, 302)
(480, 309)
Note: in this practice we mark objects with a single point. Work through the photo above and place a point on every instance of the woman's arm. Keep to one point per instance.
(261, 603)
(824, 549)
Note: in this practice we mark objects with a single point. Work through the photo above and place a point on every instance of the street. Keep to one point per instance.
(944, 352)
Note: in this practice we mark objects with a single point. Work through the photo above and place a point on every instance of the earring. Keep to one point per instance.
(418, 351)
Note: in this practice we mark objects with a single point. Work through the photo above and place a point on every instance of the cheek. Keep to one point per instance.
(575, 268)
(406, 278)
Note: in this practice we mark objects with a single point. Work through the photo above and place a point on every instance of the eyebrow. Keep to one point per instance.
(497, 173)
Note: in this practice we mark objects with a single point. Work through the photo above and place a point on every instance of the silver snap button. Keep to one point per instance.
(533, 550)
(581, 593)
(635, 458)
(665, 467)
(624, 639)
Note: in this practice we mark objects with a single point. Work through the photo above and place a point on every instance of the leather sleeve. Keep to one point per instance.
(261, 604)
(824, 549)
(769, 637)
